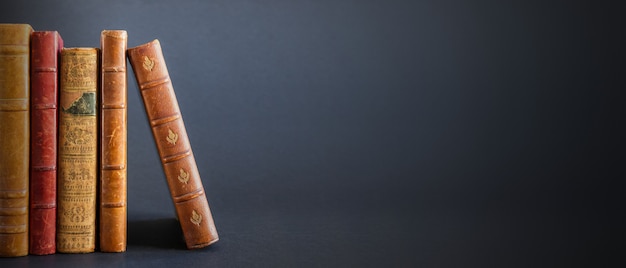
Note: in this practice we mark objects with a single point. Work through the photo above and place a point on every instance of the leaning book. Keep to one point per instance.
(173, 145)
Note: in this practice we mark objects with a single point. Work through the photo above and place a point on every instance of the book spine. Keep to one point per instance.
(173, 145)
(113, 160)
(78, 138)
(45, 49)
(14, 138)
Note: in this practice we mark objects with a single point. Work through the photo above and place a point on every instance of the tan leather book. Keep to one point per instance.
(113, 139)
(14, 138)
(77, 164)
(173, 145)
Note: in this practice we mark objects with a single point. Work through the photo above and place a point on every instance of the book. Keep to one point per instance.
(77, 160)
(45, 49)
(113, 160)
(14, 138)
(170, 136)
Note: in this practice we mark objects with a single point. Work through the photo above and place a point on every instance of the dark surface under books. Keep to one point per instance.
(375, 133)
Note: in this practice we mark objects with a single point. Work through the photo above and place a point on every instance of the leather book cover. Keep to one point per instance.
(173, 145)
(45, 49)
(14, 138)
(113, 115)
(77, 160)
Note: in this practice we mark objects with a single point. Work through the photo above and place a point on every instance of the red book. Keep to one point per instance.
(45, 50)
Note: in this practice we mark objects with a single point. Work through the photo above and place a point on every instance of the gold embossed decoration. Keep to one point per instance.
(148, 64)
(77, 136)
(77, 214)
(171, 137)
(195, 218)
(183, 176)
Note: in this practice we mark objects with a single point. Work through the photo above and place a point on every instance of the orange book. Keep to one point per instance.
(113, 139)
(173, 145)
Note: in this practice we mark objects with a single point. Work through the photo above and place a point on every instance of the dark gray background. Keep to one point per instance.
(375, 133)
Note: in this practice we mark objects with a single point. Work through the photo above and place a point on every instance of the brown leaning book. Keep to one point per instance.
(173, 145)
(45, 49)
(78, 169)
(14, 138)
(113, 141)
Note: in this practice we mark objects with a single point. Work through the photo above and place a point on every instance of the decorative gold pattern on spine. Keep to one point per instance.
(77, 171)
(183, 176)
(148, 63)
(172, 137)
(195, 218)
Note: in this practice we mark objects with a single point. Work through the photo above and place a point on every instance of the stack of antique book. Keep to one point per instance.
(63, 143)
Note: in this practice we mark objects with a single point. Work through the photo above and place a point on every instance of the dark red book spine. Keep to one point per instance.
(45, 50)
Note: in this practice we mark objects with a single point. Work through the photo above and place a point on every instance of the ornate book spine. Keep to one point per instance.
(173, 145)
(14, 138)
(113, 141)
(45, 49)
(78, 137)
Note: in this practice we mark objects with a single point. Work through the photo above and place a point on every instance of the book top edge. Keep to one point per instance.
(115, 33)
(154, 42)
(80, 50)
(16, 25)
(45, 32)
(15, 34)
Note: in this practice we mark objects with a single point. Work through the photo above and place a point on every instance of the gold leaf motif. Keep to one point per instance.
(148, 64)
(195, 218)
(172, 137)
(76, 214)
(183, 176)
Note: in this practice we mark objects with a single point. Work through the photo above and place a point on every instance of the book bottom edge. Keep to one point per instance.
(196, 246)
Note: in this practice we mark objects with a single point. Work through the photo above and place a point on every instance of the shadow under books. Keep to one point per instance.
(159, 233)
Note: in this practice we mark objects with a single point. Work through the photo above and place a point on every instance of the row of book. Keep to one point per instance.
(63, 143)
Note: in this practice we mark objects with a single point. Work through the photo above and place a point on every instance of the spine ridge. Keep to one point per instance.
(13, 211)
(113, 106)
(44, 106)
(114, 69)
(164, 120)
(44, 168)
(114, 167)
(14, 105)
(188, 196)
(176, 157)
(10, 194)
(44, 206)
(38, 70)
(114, 205)
(154, 83)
